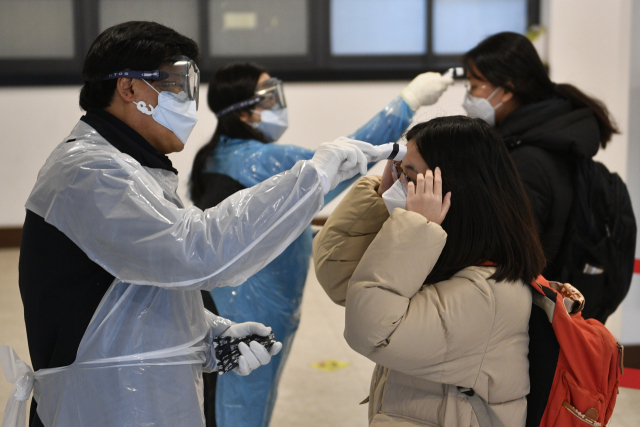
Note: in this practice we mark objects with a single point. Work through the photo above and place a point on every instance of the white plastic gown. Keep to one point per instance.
(141, 358)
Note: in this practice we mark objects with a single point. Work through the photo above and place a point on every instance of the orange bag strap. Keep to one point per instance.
(539, 282)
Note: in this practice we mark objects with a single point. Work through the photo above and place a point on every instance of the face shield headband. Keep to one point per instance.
(176, 74)
(269, 95)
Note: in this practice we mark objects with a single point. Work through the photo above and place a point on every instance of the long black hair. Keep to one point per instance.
(510, 61)
(490, 218)
(230, 84)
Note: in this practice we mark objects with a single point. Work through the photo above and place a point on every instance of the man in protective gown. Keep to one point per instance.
(112, 263)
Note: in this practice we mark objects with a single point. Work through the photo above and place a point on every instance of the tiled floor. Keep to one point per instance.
(308, 397)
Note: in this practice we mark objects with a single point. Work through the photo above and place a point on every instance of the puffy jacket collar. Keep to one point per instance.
(554, 125)
(127, 140)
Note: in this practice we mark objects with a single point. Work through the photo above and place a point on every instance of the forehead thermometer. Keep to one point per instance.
(391, 151)
(454, 72)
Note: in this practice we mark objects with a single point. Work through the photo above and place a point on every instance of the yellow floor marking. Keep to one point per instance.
(329, 365)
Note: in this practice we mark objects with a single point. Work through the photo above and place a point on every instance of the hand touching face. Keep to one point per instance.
(424, 189)
(425, 196)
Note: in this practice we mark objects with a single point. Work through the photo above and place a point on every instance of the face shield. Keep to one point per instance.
(268, 96)
(177, 74)
(271, 95)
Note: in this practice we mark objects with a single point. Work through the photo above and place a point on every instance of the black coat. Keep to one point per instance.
(544, 140)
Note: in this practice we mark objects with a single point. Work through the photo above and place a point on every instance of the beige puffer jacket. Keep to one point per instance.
(467, 331)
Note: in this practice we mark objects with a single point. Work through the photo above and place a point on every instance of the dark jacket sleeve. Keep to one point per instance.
(534, 174)
(546, 177)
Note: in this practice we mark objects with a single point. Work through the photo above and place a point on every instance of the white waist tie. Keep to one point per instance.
(22, 377)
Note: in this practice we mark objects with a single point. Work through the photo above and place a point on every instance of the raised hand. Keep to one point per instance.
(425, 197)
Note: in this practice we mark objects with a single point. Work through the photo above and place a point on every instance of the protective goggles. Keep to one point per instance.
(175, 74)
(268, 96)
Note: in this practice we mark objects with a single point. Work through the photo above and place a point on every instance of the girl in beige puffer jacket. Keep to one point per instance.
(421, 300)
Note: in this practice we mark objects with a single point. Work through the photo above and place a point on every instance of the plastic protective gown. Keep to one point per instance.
(141, 358)
(273, 295)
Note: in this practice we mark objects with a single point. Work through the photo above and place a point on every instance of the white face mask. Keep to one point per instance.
(481, 108)
(395, 197)
(174, 111)
(272, 123)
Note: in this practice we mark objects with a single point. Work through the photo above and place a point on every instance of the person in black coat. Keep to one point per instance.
(547, 127)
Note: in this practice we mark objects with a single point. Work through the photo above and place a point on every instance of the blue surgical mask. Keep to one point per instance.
(174, 111)
(272, 123)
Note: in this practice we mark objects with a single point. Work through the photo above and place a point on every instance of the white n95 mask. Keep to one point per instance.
(272, 123)
(174, 111)
(481, 108)
(395, 197)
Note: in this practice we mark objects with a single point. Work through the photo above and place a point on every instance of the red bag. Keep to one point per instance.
(585, 381)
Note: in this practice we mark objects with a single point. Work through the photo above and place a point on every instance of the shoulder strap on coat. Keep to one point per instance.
(481, 408)
(546, 295)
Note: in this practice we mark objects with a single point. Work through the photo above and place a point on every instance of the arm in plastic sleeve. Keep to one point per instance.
(117, 214)
(217, 325)
(300, 153)
(274, 157)
(386, 126)
(268, 160)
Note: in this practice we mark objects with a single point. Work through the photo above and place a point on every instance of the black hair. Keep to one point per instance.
(232, 83)
(510, 61)
(490, 218)
(134, 45)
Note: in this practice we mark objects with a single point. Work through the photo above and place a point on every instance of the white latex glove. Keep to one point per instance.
(339, 160)
(425, 89)
(255, 354)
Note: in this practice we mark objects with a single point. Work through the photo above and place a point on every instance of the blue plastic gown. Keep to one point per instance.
(273, 295)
